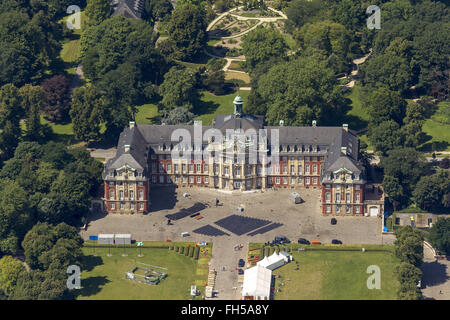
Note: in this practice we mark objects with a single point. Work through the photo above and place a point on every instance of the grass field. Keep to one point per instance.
(335, 275)
(103, 276)
(147, 114)
(438, 128)
(244, 77)
(212, 105)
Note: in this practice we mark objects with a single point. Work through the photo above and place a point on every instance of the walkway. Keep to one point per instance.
(436, 276)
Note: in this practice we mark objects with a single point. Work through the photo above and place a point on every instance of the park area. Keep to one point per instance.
(327, 272)
(104, 270)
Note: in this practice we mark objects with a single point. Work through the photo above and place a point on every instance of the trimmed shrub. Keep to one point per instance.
(266, 251)
(196, 253)
(261, 252)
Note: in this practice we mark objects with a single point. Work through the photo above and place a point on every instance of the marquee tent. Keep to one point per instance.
(257, 283)
(276, 260)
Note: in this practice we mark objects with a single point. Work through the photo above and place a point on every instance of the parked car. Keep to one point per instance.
(241, 263)
(303, 241)
(315, 242)
(240, 271)
(281, 240)
(335, 241)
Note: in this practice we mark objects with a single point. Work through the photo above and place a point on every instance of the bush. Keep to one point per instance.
(177, 248)
(196, 253)
(182, 250)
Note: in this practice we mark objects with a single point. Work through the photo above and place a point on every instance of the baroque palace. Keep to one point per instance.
(324, 158)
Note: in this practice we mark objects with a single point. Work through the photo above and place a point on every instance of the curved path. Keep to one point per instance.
(435, 277)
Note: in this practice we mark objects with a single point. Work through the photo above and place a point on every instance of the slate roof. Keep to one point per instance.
(128, 8)
(328, 141)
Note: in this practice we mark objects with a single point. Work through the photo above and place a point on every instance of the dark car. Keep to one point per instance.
(281, 240)
(241, 263)
(333, 221)
(240, 271)
(335, 241)
(303, 241)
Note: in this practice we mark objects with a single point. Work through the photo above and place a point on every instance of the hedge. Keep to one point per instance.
(182, 250)
(186, 251)
(266, 251)
(191, 252)
(196, 253)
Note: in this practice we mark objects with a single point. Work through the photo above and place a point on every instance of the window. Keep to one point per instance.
(338, 209)
(111, 194)
(300, 169)
(113, 206)
(206, 180)
(169, 167)
(315, 168)
(121, 195)
(176, 179)
(277, 180)
(357, 209)
(161, 157)
(122, 206)
(307, 168)
(141, 195)
(199, 179)
(132, 206)
(338, 197)
(306, 158)
(191, 168)
(307, 181)
(328, 208)
(259, 169)
(292, 180)
(153, 167)
(141, 206)
(328, 186)
(358, 197)
(111, 183)
(284, 168)
(205, 168)
(284, 180)
(227, 170)
(277, 169)
(292, 169)
(131, 194)
(327, 196)
(347, 209)
(357, 187)
(199, 168)
(140, 183)
(168, 156)
(161, 167)
(169, 180)
(184, 179)
(237, 171)
(154, 179)
(161, 179)
(175, 167)
(153, 156)
(191, 179)
(315, 181)
(347, 197)
(183, 167)
(284, 158)
(300, 180)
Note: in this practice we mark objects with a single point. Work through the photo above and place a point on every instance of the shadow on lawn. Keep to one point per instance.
(91, 286)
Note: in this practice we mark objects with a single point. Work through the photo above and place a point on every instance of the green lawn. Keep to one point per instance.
(71, 46)
(212, 105)
(103, 276)
(335, 275)
(147, 114)
(438, 128)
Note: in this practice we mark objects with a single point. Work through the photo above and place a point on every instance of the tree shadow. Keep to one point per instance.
(434, 145)
(434, 273)
(89, 262)
(91, 286)
(205, 107)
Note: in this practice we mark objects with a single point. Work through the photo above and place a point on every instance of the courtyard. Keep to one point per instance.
(283, 217)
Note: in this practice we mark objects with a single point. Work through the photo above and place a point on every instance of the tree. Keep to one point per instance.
(178, 88)
(299, 91)
(444, 163)
(187, 31)
(430, 190)
(156, 10)
(440, 235)
(87, 113)
(33, 101)
(178, 115)
(262, 46)
(97, 11)
(300, 12)
(58, 97)
(11, 270)
(408, 274)
(409, 245)
(385, 105)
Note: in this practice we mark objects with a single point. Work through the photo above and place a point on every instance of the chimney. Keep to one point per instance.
(345, 126)
(314, 122)
(132, 124)
(344, 151)
(127, 148)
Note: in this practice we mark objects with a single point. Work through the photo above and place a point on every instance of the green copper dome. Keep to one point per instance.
(238, 100)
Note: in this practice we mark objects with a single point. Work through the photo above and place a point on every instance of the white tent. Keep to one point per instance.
(257, 283)
(123, 238)
(105, 239)
(274, 261)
